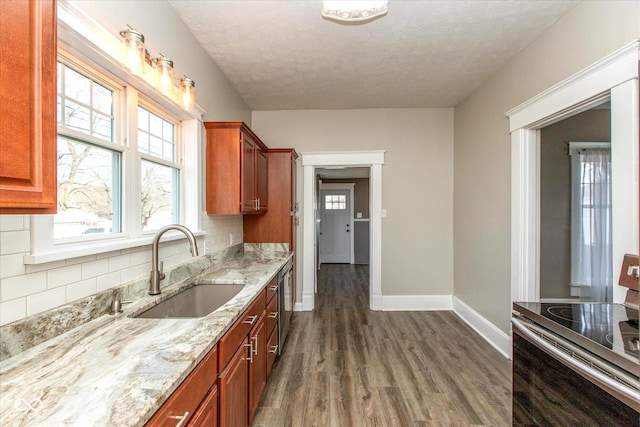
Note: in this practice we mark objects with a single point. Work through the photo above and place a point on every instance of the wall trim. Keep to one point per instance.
(416, 302)
(591, 82)
(487, 330)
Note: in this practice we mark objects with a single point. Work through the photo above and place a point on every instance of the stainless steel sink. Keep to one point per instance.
(197, 301)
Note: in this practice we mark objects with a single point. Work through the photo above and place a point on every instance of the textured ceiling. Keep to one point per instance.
(283, 55)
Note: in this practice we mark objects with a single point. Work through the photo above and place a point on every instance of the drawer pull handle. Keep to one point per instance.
(255, 350)
(182, 418)
(273, 315)
(250, 320)
(273, 288)
(273, 349)
(250, 356)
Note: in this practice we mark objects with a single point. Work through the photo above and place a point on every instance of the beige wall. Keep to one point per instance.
(417, 182)
(482, 153)
(555, 195)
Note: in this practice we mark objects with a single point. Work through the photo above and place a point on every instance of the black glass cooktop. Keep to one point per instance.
(609, 330)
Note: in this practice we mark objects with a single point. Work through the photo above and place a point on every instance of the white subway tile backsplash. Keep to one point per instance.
(64, 276)
(12, 222)
(119, 262)
(13, 310)
(81, 260)
(95, 268)
(21, 286)
(81, 289)
(14, 242)
(43, 301)
(11, 265)
(108, 281)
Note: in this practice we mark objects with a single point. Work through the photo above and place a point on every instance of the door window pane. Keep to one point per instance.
(335, 202)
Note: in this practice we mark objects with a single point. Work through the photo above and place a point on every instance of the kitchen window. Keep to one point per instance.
(121, 166)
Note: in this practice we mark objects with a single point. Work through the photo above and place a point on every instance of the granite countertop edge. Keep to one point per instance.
(119, 370)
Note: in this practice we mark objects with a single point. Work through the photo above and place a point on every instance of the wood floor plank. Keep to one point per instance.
(344, 365)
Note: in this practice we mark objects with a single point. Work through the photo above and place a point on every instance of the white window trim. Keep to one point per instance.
(81, 36)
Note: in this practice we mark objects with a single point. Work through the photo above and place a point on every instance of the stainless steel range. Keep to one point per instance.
(575, 364)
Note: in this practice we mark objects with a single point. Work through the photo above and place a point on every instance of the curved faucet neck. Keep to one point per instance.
(156, 274)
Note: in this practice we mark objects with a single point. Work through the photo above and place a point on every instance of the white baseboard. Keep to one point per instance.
(487, 330)
(416, 302)
(307, 302)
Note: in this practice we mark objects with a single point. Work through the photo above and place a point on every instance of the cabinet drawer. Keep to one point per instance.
(187, 397)
(272, 350)
(272, 289)
(272, 315)
(232, 339)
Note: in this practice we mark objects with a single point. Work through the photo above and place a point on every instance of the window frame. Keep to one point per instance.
(45, 248)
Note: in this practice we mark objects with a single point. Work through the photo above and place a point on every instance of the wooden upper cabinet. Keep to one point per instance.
(237, 169)
(28, 152)
(278, 225)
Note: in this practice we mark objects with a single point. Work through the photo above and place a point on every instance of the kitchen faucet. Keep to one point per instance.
(156, 274)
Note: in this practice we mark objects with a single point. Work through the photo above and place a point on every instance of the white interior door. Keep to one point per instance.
(335, 246)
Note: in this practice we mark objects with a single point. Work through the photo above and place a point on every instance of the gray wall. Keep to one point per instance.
(555, 195)
(482, 203)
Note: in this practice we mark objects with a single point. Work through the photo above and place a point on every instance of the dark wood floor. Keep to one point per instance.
(345, 365)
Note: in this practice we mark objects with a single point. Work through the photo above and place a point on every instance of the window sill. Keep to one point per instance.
(76, 251)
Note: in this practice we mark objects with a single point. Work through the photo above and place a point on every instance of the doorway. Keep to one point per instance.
(311, 162)
(614, 77)
(575, 207)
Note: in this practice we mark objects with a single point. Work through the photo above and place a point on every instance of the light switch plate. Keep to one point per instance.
(359, 215)
(384, 213)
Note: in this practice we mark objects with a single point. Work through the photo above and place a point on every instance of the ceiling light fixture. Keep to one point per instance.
(354, 11)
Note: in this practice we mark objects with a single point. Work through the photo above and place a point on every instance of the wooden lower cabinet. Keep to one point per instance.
(207, 414)
(272, 349)
(257, 364)
(188, 398)
(233, 384)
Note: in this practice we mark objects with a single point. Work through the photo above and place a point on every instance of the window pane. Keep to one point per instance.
(87, 106)
(159, 198)
(88, 181)
(156, 136)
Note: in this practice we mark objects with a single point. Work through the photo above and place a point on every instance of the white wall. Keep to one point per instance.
(589, 32)
(28, 290)
(417, 244)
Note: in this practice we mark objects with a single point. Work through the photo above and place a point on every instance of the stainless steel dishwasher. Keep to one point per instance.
(285, 309)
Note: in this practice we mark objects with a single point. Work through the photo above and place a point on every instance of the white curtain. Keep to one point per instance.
(591, 253)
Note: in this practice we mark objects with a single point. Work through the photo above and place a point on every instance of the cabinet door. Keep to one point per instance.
(207, 414)
(28, 156)
(257, 365)
(233, 388)
(248, 177)
(262, 179)
(272, 350)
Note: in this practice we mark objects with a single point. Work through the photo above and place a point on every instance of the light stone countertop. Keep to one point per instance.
(118, 370)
